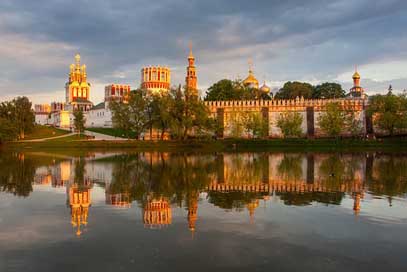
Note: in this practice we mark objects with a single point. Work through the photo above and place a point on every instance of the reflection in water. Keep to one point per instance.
(157, 213)
(159, 181)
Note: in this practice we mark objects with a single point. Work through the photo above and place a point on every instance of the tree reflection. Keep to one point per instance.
(17, 173)
(290, 167)
(389, 176)
(306, 198)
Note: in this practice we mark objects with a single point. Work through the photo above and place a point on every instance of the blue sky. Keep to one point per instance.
(313, 40)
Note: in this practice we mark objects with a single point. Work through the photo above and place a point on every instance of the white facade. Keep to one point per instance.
(99, 117)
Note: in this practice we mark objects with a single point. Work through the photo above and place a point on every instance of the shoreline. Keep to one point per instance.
(228, 145)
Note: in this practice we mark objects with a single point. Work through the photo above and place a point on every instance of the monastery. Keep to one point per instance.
(157, 80)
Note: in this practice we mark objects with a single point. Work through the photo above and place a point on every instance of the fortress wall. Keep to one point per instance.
(310, 109)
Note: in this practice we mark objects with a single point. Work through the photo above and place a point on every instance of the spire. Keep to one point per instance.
(250, 62)
(78, 60)
(190, 56)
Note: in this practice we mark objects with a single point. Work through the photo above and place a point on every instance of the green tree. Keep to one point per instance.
(137, 105)
(19, 112)
(291, 90)
(161, 113)
(226, 89)
(79, 121)
(333, 120)
(353, 123)
(8, 131)
(120, 117)
(254, 124)
(133, 116)
(328, 90)
(188, 114)
(389, 112)
(290, 124)
(236, 124)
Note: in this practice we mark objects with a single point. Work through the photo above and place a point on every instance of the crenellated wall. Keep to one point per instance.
(310, 109)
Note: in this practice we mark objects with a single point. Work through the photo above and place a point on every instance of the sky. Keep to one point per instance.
(314, 41)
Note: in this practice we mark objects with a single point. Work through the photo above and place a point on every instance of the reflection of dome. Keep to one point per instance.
(265, 88)
(251, 80)
(356, 75)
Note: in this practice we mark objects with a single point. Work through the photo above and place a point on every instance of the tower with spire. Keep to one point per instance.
(191, 80)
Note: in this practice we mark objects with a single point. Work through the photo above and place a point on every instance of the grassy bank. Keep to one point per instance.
(353, 145)
(40, 132)
(113, 132)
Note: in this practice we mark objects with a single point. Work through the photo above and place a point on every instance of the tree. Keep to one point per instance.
(291, 90)
(226, 89)
(132, 116)
(120, 116)
(333, 120)
(290, 124)
(236, 124)
(188, 114)
(254, 124)
(79, 121)
(353, 123)
(19, 112)
(161, 113)
(389, 112)
(328, 90)
(8, 131)
(137, 105)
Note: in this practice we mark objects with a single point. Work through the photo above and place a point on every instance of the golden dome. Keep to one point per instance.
(265, 88)
(251, 80)
(356, 75)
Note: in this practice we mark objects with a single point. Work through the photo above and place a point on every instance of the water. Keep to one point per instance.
(203, 212)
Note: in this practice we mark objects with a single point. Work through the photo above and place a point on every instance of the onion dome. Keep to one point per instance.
(265, 88)
(356, 75)
(251, 80)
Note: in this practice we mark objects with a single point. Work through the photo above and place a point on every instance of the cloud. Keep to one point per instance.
(312, 40)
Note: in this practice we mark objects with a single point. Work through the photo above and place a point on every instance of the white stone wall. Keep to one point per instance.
(42, 119)
(99, 118)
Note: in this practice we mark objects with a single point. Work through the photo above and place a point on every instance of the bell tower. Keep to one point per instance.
(191, 80)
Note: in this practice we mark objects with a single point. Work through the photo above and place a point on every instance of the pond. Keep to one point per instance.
(151, 211)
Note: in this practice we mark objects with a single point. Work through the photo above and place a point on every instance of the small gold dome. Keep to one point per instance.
(356, 75)
(265, 88)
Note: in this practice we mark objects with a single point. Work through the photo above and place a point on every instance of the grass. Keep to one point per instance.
(292, 145)
(67, 139)
(112, 132)
(40, 132)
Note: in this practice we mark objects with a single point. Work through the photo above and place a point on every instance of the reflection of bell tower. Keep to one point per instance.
(252, 207)
(79, 201)
(356, 202)
(157, 213)
(192, 211)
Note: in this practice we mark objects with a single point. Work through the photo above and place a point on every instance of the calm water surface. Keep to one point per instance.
(203, 212)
